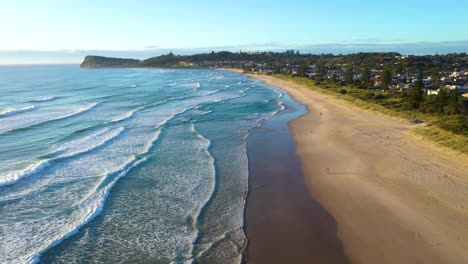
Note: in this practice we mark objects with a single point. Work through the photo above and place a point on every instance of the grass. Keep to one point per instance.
(446, 131)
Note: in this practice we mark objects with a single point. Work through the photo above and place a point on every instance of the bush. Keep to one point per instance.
(317, 83)
(343, 91)
(406, 106)
(369, 95)
(380, 96)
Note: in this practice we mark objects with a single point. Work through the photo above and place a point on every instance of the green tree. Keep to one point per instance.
(321, 71)
(454, 101)
(334, 78)
(365, 77)
(349, 75)
(441, 99)
(435, 77)
(386, 78)
(399, 69)
(277, 69)
(301, 71)
(416, 95)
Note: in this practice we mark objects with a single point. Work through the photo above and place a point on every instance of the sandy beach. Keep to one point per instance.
(284, 223)
(395, 199)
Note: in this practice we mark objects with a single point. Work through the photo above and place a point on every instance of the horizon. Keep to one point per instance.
(83, 54)
(66, 31)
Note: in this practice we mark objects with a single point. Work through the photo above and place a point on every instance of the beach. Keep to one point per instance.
(285, 224)
(395, 198)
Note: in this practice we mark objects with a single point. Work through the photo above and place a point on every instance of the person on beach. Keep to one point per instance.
(327, 170)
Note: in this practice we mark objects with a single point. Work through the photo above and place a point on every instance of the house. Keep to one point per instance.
(432, 91)
(311, 74)
(452, 87)
(401, 86)
(455, 74)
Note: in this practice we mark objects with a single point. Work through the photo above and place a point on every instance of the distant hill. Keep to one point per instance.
(176, 61)
(105, 62)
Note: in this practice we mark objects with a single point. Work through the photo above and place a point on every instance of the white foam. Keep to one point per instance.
(279, 94)
(12, 111)
(94, 203)
(127, 115)
(87, 143)
(66, 150)
(45, 99)
(90, 208)
(281, 105)
(89, 199)
(17, 122)
(78, 196)
(194, 86)
(80, 110)
(13, 177)
(212, 184)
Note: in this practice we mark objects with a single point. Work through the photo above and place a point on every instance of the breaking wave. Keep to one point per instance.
(12, 111)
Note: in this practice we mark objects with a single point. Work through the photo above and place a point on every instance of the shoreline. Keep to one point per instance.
(395, 199)
(284, 223)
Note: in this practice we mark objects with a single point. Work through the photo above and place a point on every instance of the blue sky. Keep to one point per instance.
(64, 30)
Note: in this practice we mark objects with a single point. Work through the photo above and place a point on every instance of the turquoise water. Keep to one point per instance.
(126, 165)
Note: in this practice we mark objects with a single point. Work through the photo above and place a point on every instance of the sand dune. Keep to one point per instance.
(395, 198)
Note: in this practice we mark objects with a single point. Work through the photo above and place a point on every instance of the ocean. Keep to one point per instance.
(127, 165)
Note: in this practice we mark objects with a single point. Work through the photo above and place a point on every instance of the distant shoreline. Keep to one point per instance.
(385, 190)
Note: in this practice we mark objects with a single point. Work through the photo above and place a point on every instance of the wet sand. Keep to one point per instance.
(284, 224)
(395, 198)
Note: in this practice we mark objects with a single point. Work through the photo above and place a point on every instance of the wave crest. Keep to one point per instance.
(12, 111)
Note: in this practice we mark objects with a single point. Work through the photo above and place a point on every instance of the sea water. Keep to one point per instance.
(126, 165)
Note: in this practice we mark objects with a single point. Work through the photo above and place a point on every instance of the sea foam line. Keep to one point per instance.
(12, 111)
(192, 129)
(279, 94)
(68, 150)
(80, 111)
(45, 99)
(74, 113)
(97, 205)
(126, 115)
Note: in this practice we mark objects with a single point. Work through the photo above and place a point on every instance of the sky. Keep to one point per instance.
(64, 31)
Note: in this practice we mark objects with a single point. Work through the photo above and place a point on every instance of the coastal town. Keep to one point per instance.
(398, 77)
